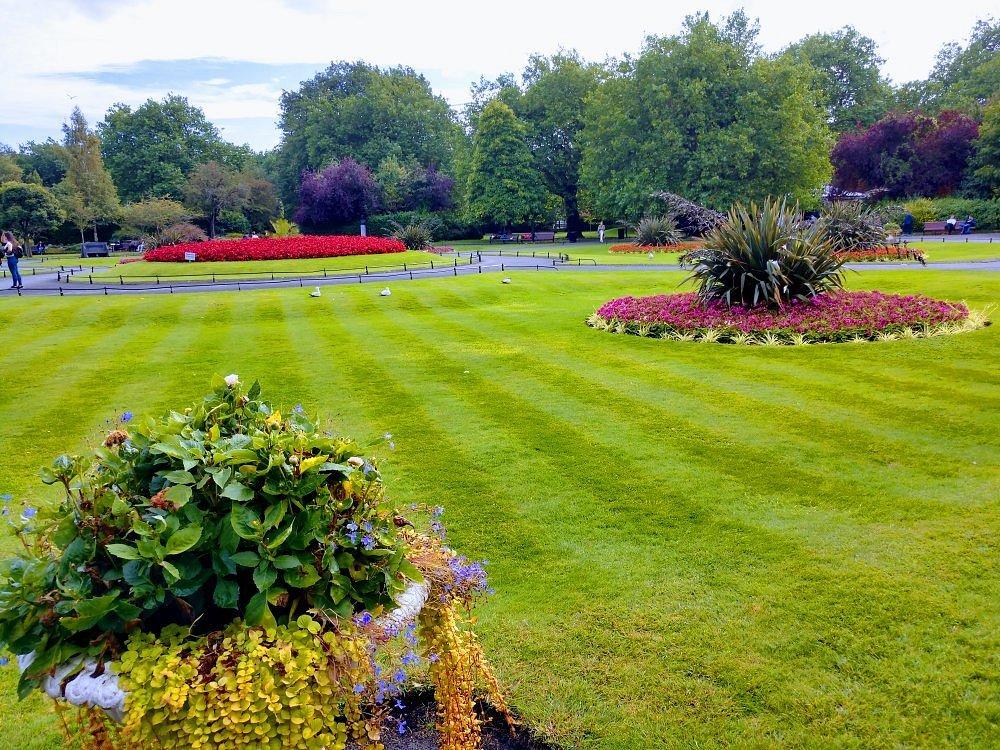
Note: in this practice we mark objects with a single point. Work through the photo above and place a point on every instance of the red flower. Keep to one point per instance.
(278, 248)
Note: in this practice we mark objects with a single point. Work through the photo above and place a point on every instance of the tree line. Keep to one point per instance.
(704, 113)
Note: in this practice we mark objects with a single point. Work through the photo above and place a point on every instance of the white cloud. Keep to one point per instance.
(453, 42)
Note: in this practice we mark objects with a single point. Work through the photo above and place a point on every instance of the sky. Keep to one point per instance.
(233, 58)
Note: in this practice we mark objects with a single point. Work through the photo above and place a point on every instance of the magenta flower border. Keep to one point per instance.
(832, 317)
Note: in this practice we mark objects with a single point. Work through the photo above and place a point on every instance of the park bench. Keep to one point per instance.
(94, 249)
(934, 227)
(545, 237)
(504, 238)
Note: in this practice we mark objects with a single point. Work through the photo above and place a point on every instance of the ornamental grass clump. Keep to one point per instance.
(763, 256)
(242, 575)
(657, 231)
(849, 225)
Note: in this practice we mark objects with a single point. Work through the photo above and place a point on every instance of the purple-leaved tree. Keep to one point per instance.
(342, 193)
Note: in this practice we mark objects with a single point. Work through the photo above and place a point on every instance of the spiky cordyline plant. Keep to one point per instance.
(849, 225)
(765, 256)
(657, 231)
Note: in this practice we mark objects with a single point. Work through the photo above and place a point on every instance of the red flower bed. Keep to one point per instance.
(876, 254)
(628, 247)
(839, 316)
(278, 248)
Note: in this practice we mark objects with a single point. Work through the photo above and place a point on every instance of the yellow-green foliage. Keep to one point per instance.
(284, 687)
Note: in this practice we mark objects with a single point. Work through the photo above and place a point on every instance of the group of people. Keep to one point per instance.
(968, 225)
(12, 253)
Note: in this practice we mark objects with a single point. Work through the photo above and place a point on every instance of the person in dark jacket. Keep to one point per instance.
(12, 253)
(908, 223)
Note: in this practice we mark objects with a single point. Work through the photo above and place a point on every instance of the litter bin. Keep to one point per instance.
(621, 233)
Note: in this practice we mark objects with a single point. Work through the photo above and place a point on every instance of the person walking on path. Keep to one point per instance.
(12, 252)
(600, 231)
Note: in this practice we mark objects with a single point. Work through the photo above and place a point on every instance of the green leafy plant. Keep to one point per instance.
(657, 231)
(765, 256)
(849, 225)
(225, 509)
(415, 236)
(284, 228)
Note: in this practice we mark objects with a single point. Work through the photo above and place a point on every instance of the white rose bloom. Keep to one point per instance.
(232, 380)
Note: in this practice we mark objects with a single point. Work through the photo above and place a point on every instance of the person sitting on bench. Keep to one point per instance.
(949, 226)
(968, 225)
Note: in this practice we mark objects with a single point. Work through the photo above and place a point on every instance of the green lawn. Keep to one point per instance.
(693, 545)
(233, 269)
(941, 252)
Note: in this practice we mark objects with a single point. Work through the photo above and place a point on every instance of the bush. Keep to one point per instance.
(445, 225)
(225, 509)
(849, 225)
(413, 236)
(764, 256)
(183, 232)
(657, 231)
(922, 210)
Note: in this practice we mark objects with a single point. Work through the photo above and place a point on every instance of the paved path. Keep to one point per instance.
(51, 283)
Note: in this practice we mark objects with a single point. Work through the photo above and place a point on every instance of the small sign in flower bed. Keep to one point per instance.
(881, 254)
(629, 247)
(831, 317)
(277, 248)
(227, 576)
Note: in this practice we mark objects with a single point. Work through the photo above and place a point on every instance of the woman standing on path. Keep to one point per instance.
(11, 251)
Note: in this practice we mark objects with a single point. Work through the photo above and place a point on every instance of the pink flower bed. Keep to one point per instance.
(839, 316)
(278, 248)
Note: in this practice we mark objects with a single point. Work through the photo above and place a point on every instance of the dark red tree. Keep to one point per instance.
(907, 153)
(343, 193)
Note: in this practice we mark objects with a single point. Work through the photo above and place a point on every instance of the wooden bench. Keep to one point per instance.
(545, 237)
(504, 238)
(934, 227)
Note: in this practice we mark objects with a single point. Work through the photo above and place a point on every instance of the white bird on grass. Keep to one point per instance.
(385, 292)
(316, 293)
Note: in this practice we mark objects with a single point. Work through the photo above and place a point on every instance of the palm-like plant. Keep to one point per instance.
(657, 231)
(849, 225)
(765, 256)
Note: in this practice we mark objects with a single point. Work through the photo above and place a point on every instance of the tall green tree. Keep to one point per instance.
(963, 78)
(10, 170)
(552, 107)
(986, 159)
(47, 159)
(365, 113)
(30, 210)
(151, 150)
(706, 115)
(88, 193)
(504, 187)
(848, 75)
(212, 189)
(152, 216)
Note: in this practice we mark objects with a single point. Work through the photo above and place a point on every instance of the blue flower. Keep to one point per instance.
(437, 512)
(4, 661)
(433, 658)
(399, 676)
(298, 409)
(410, 659)
(29, 512)
(6, 497)
(368, 541)
(401, 727)
(351, 526)
(358, 689)
(353, 537)
(127, 416)
(399, 704)
(363, 620)
(367, 526)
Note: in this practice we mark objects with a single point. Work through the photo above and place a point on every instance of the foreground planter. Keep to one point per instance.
(87, 690)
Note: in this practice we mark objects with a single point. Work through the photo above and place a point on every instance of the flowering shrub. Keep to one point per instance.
(834, 316)
(887, 253)
(278, 248)
(237, 570)
(629, 247)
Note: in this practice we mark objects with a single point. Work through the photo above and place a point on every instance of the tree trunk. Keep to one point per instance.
(573, 221)
(83, 237)
(211, 225)
(95, 231)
